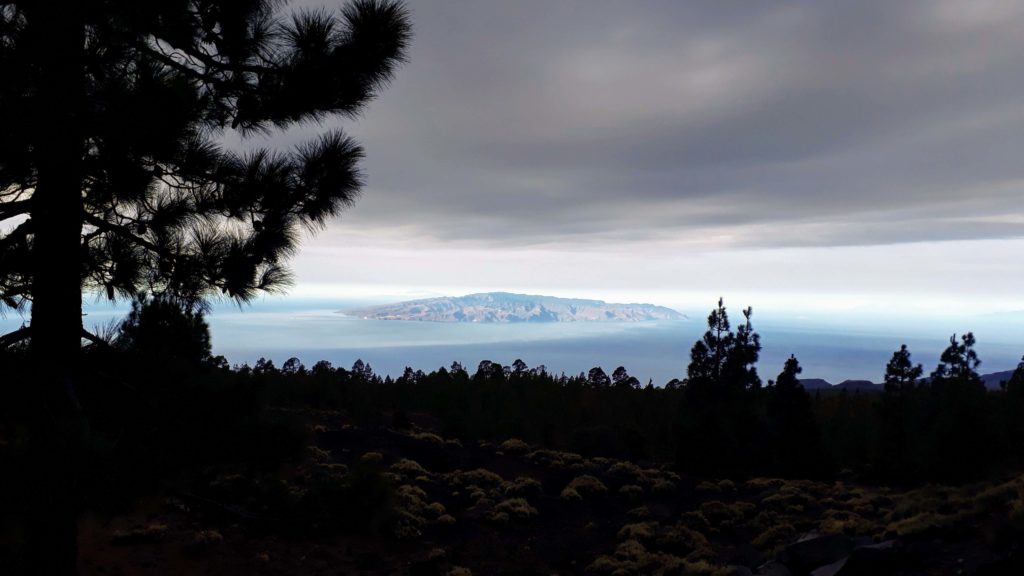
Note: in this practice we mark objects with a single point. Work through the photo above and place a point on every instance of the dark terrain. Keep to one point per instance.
(512, 509)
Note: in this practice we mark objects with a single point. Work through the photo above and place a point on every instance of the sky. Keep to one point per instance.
(858, 157)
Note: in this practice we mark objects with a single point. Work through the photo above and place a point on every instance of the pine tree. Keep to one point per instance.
(796, 442)
(708, 355)
(110, 162)
(740, 370)
(957, 429)
(901, 418)
(958, 364)
(114, 179)
(900, 373)
(716, 422)
(1015, 385)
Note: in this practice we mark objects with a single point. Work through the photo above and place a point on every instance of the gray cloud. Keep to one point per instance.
(780, 124)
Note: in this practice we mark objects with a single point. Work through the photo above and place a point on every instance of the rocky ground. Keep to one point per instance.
(445, 508)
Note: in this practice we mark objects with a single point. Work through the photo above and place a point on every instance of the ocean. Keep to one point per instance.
(832, 348)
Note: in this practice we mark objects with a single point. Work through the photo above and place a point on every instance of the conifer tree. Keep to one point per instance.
(111, 162)
(114, 179)
(796, 448)
(716, 422)
(958, 429)
(901, 417)
(709, 355)
(900, 373)
(740, 370)
(1015, 385)
(958, 364)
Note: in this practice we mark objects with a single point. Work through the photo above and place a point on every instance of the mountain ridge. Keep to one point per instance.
(991, 381)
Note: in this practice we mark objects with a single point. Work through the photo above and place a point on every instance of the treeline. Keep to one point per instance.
(721, 420)
(155, 397)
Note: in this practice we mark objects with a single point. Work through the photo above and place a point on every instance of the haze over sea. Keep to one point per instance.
(834, 346)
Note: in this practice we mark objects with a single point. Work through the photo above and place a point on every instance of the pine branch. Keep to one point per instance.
(193, 73)
(124, 232)
(17, 235)
(86, 335)
(12, 338)
(16, 208)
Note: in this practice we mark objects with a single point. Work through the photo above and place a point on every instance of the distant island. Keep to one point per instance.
(505, 307)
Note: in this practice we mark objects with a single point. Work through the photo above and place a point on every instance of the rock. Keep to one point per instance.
(872, 559)
(739, 571)
(773, 568)
(832, 569)
(815, 551)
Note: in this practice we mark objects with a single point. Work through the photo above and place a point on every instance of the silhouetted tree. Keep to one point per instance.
(264, 366)
(717, 426)
(1015, 385)
(958, 364)
(796, 447)
(597, 378)
(958, 428)
(900, 373)
(162, 335)
(709, 355)
(740, 363)
(622, 379)
(362, 370)
(293, 366)
(519, 367)
(901, 418)
(1012, 410)
(110, 162)
(322, 368)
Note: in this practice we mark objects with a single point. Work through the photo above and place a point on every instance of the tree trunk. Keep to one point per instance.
(57, 32)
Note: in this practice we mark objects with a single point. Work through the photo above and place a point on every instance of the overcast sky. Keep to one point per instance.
(818, 154)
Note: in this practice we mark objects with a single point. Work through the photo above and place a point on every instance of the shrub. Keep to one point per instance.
(408, 467)
(318, 455)
(558, 460)
(429, 438)
(844, 522)
(436, 509)
(683, 540)
(372, 458)
(570, 494)
(206, 538)
(638, 513)
(783, 500)
(138, 535)
(626, 470)
(774, 536)
(587, 485)
(718, 512)
(478, 477)
(517, 509)
(522, 486)
(514, 446)
(631, 491)
(920, 524)
(764, 483)
(663, 488)
(708, 487)
(641, 531)
(695, 519)
(496, 517)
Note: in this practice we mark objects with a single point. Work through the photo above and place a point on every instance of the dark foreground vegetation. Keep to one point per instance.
(193, 466)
